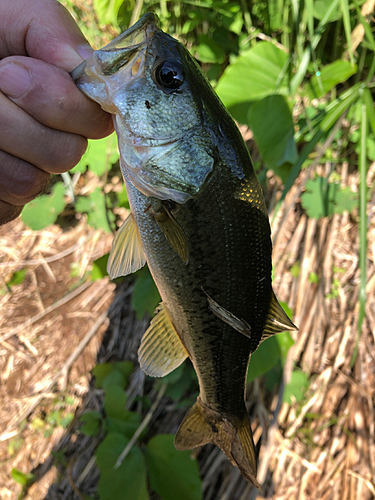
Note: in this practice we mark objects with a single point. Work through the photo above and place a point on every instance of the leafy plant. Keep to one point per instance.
(153, 461)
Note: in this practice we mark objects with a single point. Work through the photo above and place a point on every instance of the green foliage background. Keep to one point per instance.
(297, 77)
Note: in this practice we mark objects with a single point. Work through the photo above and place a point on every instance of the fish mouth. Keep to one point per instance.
(122, 51)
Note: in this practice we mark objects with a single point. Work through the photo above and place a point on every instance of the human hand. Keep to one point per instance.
(44, 118)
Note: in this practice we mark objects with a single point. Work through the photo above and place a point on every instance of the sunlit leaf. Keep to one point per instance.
(257, 73)
(101, 154)
(268, 354)
(329, 76)
(171, 471)
(323, 198)
(45, 209)
(97, 213)
(295, 390)
(99, 268)
(107, 10)
(272, 124)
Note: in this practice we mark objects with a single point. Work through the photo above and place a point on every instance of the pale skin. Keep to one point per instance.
(44, 119)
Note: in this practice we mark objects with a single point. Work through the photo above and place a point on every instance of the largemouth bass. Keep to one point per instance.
(199, 219)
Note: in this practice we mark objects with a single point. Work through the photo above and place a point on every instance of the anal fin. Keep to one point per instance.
(203, 425)
(127, 255)
(161, 350)
(277, 320)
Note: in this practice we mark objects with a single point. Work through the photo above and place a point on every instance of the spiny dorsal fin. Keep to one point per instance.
(238, 324)
(161, 350)
(277, 320)
(203, 425)
(174, 233)
(127, 255)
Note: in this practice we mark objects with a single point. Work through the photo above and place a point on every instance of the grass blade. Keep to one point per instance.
(362, 226)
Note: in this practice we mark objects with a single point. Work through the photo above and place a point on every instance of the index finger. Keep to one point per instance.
(42, 29)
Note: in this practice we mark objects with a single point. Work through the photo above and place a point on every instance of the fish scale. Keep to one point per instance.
(199, 219)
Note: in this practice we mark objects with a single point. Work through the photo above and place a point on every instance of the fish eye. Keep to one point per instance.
(169, 75)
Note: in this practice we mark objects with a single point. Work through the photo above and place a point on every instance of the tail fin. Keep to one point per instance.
(203, 425)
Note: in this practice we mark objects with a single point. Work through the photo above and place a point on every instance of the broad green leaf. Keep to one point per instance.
(297, 387)
(128, 481)
(114, 378)
(208, 51)
(101, 154)
(97, 213)
(99, 268)
(45, 209)
(23, 478)
(107, 10)
(272, 124)
(329, 76)
(91, 421)
(257, 73)
(268, 353)
(103, 370)
(127, 426)
(323, 198)
(114, 403)
(173, 474)
(321, 8)
(145, 296)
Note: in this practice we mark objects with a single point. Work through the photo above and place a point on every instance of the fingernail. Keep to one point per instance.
(85, 51)
(14, 80)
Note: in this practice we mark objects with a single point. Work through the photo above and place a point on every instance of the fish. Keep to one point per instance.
(199, 219)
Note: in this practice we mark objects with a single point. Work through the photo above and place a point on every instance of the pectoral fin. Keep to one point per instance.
(161, 350)
(238, 324)
(127, 255)
(203, 425)
(277, 320)
(174, 233)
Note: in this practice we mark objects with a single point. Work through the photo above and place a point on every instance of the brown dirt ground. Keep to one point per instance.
(56, 325)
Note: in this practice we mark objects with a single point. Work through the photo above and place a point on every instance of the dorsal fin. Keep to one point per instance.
(161, 350)
(174, 233)
(277, 320)
(127, 255)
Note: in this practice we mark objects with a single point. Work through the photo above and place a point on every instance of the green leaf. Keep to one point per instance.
(321, 8)
(99, 268)
(268, 354)
(129, 479)
(23, 478)
(107, 10)
(297, 387)
(114, 378)
(257, 73)
(97, 213)
(114, 403)
(172, 471)
(329, 76)
(17, 278)
(323, 198)
(102, 370)
(272, 124)
(45, 209)
(126, 427)
(208, 51)
(145, 296)
(101, 154)
(91, 423)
